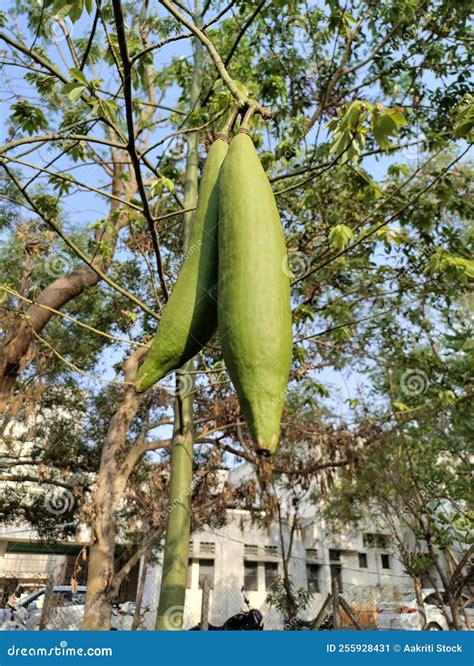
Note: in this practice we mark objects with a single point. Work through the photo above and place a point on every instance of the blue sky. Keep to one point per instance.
(84, 208)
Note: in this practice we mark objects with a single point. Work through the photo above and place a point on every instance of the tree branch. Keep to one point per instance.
(75, 248)
(242, 99)
(132, 150)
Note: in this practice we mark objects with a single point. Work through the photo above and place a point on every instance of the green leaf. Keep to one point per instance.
(70, 8)
(385, 124)
(47, 205)
(447, 397)
(62, 182)
(353, 402)
(397, 169)
(321, 390)
(455, 268)
(77, 75)
(339, 236)
(398, 116)
(29, 117)
(73, 90)
(159, 185)
(464, 119)
(400, 406)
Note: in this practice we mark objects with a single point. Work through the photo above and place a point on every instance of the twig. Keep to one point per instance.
(242, 99)
(127, 341)
(73, 366)
(75, 248)
(132, 150)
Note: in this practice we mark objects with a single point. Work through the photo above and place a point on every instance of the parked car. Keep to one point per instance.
(67, 611)
(406, 614)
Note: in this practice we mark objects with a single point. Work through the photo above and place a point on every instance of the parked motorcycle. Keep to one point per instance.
(247, 620)
(15, 619)
(297, 624)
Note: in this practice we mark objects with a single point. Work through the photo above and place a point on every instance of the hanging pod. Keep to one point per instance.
(254, 311)
(189, 318)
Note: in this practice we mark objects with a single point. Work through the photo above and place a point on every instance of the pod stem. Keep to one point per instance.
(225, 131)
(249, 114)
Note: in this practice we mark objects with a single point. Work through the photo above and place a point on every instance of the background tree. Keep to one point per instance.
(365, 148)
(415, 476)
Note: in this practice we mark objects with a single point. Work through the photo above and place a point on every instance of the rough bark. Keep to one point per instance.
(290, 602)
(140, 592)
(111, 482)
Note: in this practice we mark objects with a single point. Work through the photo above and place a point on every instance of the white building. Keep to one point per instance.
(237, 555)
(242, 555)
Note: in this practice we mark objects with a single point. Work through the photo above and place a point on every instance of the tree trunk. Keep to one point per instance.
(176, 554)
(291, 605)
(98, 603)
(178, 527)
(140, 593)
(111, 483)
(419, 598)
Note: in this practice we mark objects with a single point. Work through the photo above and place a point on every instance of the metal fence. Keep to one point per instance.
(225, 598)
(210, 600)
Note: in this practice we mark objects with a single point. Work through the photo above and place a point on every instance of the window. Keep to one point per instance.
(190, 575)
(311, 553)
(207, 547)
(78, 598)
(206, 571)
(271, 574)
(38, 600)
(191, 546)
(271, 550)
(385, 561)
(336, 574)
(250, 576)
(375, 540)
(250, 549)
(66, 598)
(335, 555)
(363, 560)
(312, 574)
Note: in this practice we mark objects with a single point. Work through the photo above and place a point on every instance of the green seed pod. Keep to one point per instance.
(189, 318)
(254, 292)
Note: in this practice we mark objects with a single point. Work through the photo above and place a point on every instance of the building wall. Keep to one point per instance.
(363, 586)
